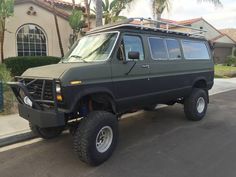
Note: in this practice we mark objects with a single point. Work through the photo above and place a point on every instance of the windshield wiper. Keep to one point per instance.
(79, 57)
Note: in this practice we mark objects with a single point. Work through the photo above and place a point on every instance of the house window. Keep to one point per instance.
(31, 41)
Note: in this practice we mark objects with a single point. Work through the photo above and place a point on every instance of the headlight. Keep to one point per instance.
(58, 92)
(58, 88)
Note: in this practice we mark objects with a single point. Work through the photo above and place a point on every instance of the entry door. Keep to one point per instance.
(130, 77)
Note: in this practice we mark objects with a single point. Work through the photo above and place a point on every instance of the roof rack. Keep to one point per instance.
(155, 25)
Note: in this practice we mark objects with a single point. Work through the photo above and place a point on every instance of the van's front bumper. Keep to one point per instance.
(35, 112)
(41, 118)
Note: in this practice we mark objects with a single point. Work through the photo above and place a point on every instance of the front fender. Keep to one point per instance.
(74, 94)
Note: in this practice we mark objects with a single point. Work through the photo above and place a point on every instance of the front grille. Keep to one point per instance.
(39, 89)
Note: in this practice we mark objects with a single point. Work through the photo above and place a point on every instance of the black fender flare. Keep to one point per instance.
(202, 79)
(97, 90)
(199, 79)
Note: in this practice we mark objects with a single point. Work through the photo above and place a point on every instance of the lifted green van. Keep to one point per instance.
(113, 70)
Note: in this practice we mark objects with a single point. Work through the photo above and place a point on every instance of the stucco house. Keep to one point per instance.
(230, 32)
(32, 32)
(224, 45)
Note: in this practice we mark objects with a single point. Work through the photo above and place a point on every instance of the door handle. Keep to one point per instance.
(145, 66)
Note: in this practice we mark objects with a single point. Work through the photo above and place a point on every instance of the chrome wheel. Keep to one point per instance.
(104, 139)
(201, 105)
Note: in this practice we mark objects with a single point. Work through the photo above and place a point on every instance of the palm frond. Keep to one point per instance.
(113, 4)
(6, 8)
(216, 3)
(76, 20)
(158, 6)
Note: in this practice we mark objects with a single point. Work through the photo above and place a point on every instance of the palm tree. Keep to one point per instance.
(111, 10)
(87, 12)
(57, 29)
(159, 6)
(77, 23)
(6, 10)
(99, 13)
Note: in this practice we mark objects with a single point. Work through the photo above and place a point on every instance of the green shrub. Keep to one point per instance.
(9, 98)
(5, 74)
(17, 65)
(230, 61)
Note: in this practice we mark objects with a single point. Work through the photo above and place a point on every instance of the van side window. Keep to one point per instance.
(195, 50)
(158, 48)
(133, 44)
(173, 47)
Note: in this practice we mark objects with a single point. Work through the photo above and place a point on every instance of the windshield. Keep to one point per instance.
(92, 48)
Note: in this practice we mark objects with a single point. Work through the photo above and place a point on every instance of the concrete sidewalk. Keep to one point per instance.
(223, 85)
(14, 129)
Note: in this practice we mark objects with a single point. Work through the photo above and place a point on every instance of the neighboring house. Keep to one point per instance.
(230, 32)
(223, 44)
(32, 32)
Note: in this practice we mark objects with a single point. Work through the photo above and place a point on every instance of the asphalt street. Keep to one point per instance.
(159, 144)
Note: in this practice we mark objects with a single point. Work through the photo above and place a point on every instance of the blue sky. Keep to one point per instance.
(220, 17)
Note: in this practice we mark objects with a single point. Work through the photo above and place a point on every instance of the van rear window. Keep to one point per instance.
(194, 50)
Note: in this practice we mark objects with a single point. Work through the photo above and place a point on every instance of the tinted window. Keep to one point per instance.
(158, 48)
(173, 49)
(195, 50)
(133, 44)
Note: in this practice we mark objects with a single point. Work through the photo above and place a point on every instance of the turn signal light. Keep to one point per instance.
(59, 98)
(75, 82)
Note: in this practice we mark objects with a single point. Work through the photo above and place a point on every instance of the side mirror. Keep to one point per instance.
(134, 55)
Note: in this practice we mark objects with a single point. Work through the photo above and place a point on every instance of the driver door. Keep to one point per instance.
(130, 77)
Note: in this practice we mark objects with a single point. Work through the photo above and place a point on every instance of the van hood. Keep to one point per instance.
(54, 71)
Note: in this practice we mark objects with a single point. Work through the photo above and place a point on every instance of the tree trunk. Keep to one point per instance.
(2, 40)
(99, 12)
(87, 12)
(158, 18)
(58, 30)
(73, 4)
(74, 31)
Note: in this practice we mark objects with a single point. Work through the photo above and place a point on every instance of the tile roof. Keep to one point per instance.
(46, 4)
(188, 22)
(62, 3)
(230, 32)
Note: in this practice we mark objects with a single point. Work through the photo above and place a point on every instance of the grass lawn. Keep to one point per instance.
(225, 71)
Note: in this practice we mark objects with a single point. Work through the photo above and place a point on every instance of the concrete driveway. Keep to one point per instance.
(158, 144)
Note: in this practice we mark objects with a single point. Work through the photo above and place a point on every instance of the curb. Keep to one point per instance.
(15, 138)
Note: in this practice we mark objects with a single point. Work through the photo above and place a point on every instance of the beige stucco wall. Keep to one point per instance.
(45, 20)
(211, 32)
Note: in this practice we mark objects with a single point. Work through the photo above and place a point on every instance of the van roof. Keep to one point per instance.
(152, 25)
